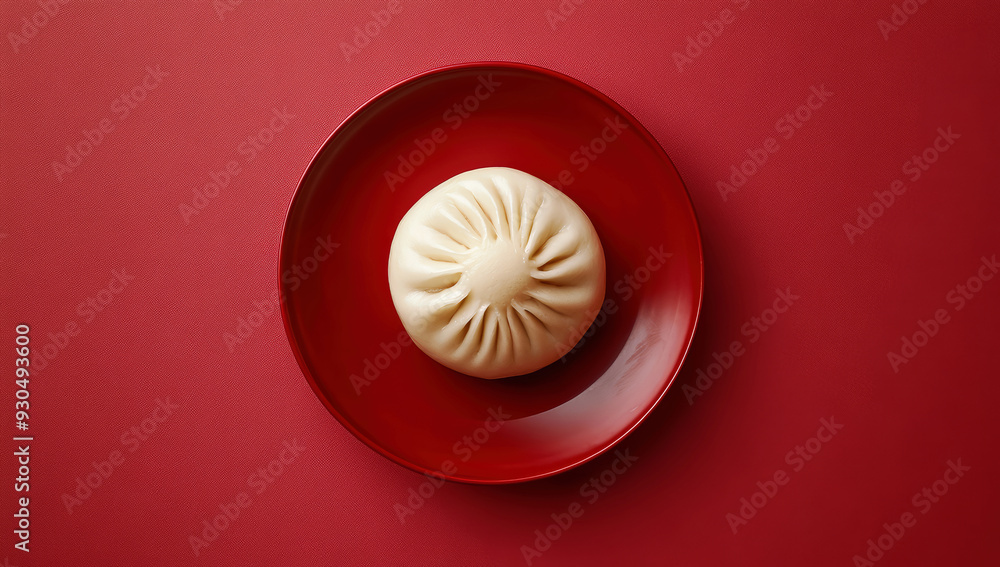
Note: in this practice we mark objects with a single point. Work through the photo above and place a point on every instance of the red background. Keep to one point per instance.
(163, 335)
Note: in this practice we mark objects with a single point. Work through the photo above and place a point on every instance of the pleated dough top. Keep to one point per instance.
(494, 272)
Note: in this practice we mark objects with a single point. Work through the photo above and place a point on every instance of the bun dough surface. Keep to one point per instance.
(494, 272)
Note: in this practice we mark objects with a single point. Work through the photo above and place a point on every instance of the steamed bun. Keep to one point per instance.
(494, 272)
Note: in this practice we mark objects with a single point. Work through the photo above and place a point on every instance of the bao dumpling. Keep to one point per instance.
(495, 273)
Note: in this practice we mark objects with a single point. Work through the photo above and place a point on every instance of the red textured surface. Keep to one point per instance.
(163, 335)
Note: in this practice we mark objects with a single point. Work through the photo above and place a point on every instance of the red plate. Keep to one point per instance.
(344, 329)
